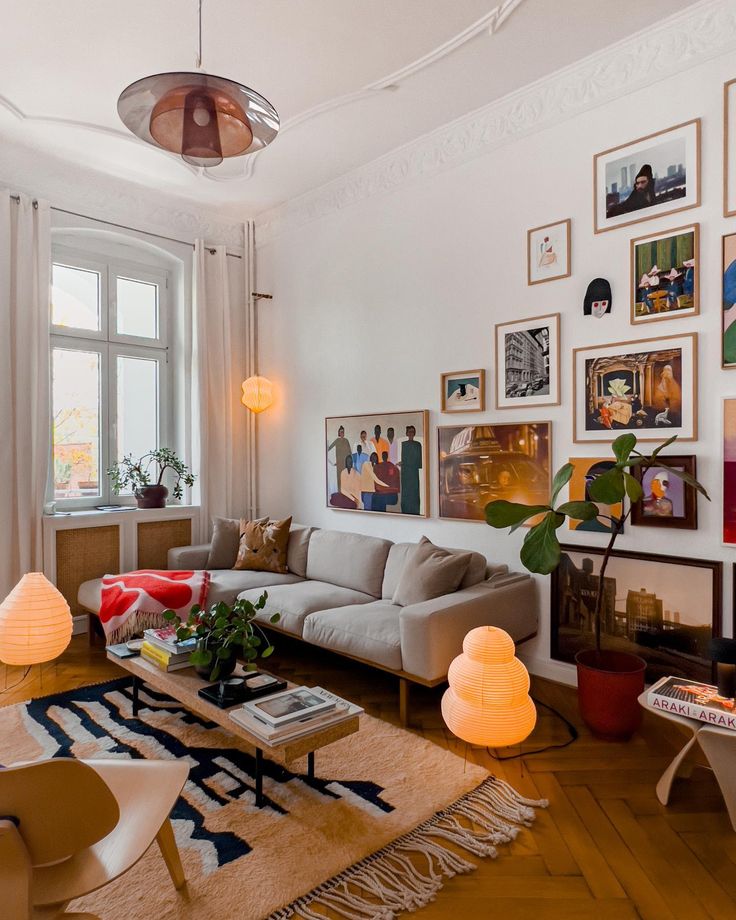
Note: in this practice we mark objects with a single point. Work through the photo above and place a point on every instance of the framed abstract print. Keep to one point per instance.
(729, 470)
(665, 609)
(728, 301)
(378, 462)
(478, 464)
(665, 281)
(585, 470)
(528, 363)
(464, 391)
(647, 386)
(548, 252)
(667, 500)
(652, 176)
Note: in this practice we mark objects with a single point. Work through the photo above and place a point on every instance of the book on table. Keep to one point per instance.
(293, 705)
(694, 700)
(165, 639)
(163, 660)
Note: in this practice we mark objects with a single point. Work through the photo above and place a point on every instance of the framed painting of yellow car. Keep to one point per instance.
(478, 464)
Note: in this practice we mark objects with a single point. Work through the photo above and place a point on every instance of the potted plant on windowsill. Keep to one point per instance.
(137, 476)
(223, 632)
(609, 682)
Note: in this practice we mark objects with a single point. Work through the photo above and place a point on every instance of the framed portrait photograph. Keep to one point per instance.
(648, 387)
(665, 281)
(528, 363)
(377, 462)
(667, 500)
(585, 470)
(664, 608)
(481, 463)
(652, 176)
(464, 391)
(728, 306)
(729, 148)
(729, 470)
(548, 252)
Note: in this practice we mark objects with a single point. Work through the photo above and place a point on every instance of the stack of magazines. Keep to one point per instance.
(161, 648)
(289, 715)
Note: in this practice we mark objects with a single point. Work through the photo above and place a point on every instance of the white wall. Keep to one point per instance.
(373, 302)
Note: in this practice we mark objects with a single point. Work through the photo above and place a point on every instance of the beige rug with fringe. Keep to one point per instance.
(387, 819)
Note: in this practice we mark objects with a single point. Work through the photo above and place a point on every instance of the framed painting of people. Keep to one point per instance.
(665, 609)
(548, 252)
(377, 462)
(528, 363)
(729, 148)
(665, 281)
(647, 386)
(667, 501)
(652, 176)
(481, 463)
(464, 391)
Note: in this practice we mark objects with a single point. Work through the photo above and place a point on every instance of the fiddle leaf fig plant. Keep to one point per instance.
(540, 552)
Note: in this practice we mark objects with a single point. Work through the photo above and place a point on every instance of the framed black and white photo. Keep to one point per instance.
(649, 177)
(528, 363)
(665, 609)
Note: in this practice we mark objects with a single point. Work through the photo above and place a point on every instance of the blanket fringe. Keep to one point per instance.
(135, 625)
(390, 880)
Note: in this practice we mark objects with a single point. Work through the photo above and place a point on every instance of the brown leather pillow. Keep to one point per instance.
(263, 546)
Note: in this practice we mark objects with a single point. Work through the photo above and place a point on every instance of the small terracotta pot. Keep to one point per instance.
(152, 496)
(609, 684)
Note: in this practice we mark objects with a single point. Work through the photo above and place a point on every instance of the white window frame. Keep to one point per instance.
(109, 345)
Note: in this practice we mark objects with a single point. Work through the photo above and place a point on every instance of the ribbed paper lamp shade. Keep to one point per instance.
(257, 393)
(488, 700)
(35, 622)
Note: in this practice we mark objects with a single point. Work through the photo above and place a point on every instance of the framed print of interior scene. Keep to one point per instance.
(528, 363)
(665, 275)
(481, 463)
(464, 391)
(648, 387)
(649, 177)
(548, 252)
(662, 608)
(378, 463)
(667, 500)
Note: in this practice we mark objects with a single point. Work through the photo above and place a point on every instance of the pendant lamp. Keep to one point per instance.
(203, 118)
(257, 394)
(35, 622)
(488, 700)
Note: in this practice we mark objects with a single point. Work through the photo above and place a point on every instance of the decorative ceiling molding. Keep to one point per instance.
(699, 33)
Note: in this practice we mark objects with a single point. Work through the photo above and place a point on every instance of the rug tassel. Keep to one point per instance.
(390, 881)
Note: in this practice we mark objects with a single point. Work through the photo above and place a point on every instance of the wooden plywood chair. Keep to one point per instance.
(68, 827)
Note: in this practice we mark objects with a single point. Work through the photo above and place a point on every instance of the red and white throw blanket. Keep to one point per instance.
(136, 601)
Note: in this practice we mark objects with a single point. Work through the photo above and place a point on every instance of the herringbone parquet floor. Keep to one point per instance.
(605, 849)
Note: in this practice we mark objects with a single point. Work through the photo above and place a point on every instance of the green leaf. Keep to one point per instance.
(686, 477)
(201, 657)
(224, 652)
(275, 618)
(622, 447)
(562, 477)
(169, 615)
(251, 667)
(509, 514)
(633, 487)
(662, 446)
(221, 622)
(540, 551)
(267, 652)
(608, 487)
(579, 511)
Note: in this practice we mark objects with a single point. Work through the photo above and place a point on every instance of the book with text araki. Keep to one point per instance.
(685, 697)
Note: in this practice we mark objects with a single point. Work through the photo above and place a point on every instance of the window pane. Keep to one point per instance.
(137, 308)
(137, 405)
(76, 423)
(75, 297)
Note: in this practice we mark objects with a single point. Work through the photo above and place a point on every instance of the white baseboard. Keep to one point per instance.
(79, 625)
(558, 671)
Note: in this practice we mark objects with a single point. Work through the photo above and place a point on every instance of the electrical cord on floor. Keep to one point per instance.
(550, 747)
(6, 688)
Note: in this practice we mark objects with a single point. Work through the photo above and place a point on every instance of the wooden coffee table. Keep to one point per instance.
(183, 686)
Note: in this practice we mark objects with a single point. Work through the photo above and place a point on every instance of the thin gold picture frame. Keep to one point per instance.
(501, 385)
(727, 212)
(480, 374)
(567, 222)
(695, 227)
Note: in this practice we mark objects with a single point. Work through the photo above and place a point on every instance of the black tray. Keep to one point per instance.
(235, 695)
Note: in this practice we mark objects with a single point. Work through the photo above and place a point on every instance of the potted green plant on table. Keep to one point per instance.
(609, 682)
(137, 475)
(224, 632)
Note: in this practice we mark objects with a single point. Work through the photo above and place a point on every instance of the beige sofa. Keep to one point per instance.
(338, 595)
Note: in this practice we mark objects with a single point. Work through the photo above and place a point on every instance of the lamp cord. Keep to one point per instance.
(199, 47)
(550, 747)
(6, 688)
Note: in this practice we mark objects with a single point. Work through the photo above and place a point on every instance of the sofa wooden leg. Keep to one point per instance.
(404, 701)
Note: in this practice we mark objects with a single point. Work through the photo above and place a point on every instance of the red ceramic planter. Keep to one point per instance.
(609, 684)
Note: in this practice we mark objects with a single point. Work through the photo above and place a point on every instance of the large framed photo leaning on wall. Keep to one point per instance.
(647, 386)
(664, 608)
(378, 462)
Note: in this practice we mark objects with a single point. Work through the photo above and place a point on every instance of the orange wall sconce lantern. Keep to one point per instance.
(257, 394)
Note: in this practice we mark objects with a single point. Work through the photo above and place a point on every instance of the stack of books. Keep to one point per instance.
(161, 648)
(692, 699)
(283, 717)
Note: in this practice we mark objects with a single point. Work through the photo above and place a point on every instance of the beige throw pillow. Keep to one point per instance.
(430, 572)
(225, 541)
(263, 546)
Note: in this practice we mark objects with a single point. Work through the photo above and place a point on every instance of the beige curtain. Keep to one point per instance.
(25, 265)
(223, 437)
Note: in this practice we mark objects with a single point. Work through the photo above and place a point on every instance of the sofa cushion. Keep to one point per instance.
(227, 584)
(370, 632)
(224, 543)
(296, 601)
(398, 553)
(350, 560)
(263, 545)
(296, 551)
(429, 572)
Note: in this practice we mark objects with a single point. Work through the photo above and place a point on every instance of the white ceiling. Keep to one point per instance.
(351, 79)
